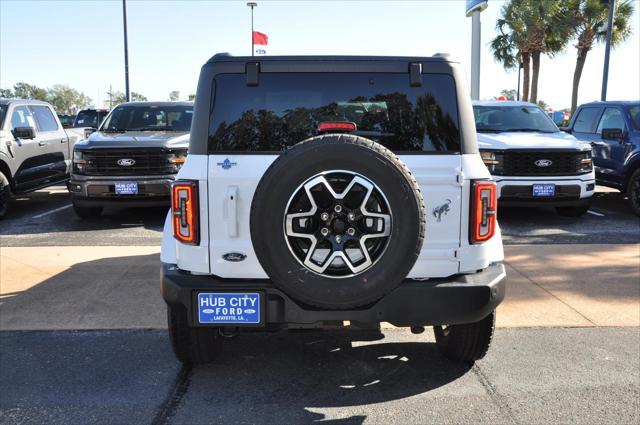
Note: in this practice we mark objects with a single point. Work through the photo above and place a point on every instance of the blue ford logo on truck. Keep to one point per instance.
(543, 162)
(126, 162)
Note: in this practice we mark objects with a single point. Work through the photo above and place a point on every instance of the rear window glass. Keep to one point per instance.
(586, 120)
(287, 108)
(90, 118)
(44, 118)
(634, 112)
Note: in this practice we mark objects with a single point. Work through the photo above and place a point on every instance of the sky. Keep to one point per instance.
(80, 43)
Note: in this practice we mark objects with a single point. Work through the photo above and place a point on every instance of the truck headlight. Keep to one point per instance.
(78, 162)
(585, 162)
(493, 161)
(178, 158)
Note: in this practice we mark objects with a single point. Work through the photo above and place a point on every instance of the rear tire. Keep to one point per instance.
(87, 212)
(467, 342)
(576, 211)
(5, 195)
(192, 345)
(633, 192)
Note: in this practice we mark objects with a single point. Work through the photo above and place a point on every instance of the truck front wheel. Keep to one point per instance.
(192, 345)
(633, 192)
(5, 195)
(466, 342)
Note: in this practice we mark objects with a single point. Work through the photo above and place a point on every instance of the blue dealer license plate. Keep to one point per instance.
(229, 308)
(127, 188)
(544, 190)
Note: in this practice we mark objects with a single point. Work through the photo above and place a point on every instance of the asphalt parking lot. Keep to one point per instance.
(567, 348)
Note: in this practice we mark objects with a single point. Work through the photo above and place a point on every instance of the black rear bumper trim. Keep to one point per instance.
(455, 300)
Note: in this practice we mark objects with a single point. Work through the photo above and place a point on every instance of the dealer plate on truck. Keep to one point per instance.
(235, 308)
(544, 190)
(127, 188)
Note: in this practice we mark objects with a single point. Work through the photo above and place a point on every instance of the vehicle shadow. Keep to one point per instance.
(292, 375)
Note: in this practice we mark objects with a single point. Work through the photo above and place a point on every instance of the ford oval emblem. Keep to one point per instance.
(543, 162)
(126, 162)
(234, 257)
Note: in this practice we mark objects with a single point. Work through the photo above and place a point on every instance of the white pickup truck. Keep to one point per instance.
(35, 150)
(531, 160)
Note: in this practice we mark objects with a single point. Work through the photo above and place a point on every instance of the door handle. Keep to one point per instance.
(63, 141)
(42, 143)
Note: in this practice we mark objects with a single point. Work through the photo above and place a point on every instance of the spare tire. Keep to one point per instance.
(337, 221)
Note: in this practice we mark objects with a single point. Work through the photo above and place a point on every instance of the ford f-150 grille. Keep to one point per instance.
(542, 163)
(129, 162)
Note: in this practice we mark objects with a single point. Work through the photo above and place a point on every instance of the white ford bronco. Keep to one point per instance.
(324, 189)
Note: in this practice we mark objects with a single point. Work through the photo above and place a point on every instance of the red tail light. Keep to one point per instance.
(337, 126)
(185, 211)
(484, 208)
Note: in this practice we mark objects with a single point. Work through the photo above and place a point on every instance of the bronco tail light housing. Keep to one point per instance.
(484, 208)
(185, 211)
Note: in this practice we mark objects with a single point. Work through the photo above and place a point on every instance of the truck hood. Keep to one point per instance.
(136, 139)
(529, 140)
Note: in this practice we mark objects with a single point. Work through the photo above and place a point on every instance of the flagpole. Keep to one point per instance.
(252, 5)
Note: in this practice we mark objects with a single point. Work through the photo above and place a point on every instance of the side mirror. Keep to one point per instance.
(24, 133)
(89, 131)
(612, 134)
(566, 129)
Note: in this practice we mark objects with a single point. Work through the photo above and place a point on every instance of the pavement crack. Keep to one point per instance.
(176, 393)
(493, 393)
(551, 293)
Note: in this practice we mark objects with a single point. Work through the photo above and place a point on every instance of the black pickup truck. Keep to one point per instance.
(133, 157)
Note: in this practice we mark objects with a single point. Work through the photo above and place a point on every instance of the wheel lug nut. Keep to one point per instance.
(338, 208)
(324, 216)
(351, 231)
(338, 239)
(351, 216)
(324, 231)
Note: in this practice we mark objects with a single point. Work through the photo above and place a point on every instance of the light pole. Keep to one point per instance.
(519, 69)
(252, 5)
(607, 49)
(126, 51)
(473, 9)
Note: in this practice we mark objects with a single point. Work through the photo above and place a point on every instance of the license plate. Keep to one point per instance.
(229, 308)
(544, 190)
(127, 188)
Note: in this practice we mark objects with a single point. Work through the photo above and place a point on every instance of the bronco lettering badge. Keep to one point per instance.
(234, 257)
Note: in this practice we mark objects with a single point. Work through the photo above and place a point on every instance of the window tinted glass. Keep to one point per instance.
(634, 112)
(44, 118)
(149, 118)
(612, 118)
(512, 118)
(3, 112)
(21, 117)
(287, 108)
(585, 122)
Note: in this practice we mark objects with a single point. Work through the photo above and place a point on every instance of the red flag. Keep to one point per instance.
(260, 38)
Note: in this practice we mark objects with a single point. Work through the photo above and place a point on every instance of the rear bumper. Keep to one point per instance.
(100, 191)
(455, 300)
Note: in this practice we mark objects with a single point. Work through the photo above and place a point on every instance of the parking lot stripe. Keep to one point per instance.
(595, 213)
(52, 211)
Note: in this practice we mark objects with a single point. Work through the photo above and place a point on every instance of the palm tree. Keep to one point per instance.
(527, 29)
(589, 18)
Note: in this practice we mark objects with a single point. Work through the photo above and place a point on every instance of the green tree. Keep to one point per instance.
(117, 97)
(526, 30)
(509, 94)
(6, 93)
(541, 103)
(62, 97)
(192, 97)
(589, 19)
(29, 91)
(174, 95)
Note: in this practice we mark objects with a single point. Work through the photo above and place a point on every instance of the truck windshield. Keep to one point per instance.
(497, 119)
(149, 118)
(90, 118)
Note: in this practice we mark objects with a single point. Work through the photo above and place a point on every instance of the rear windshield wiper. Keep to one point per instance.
(114, 130)
(488, 130)
(152, 129)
